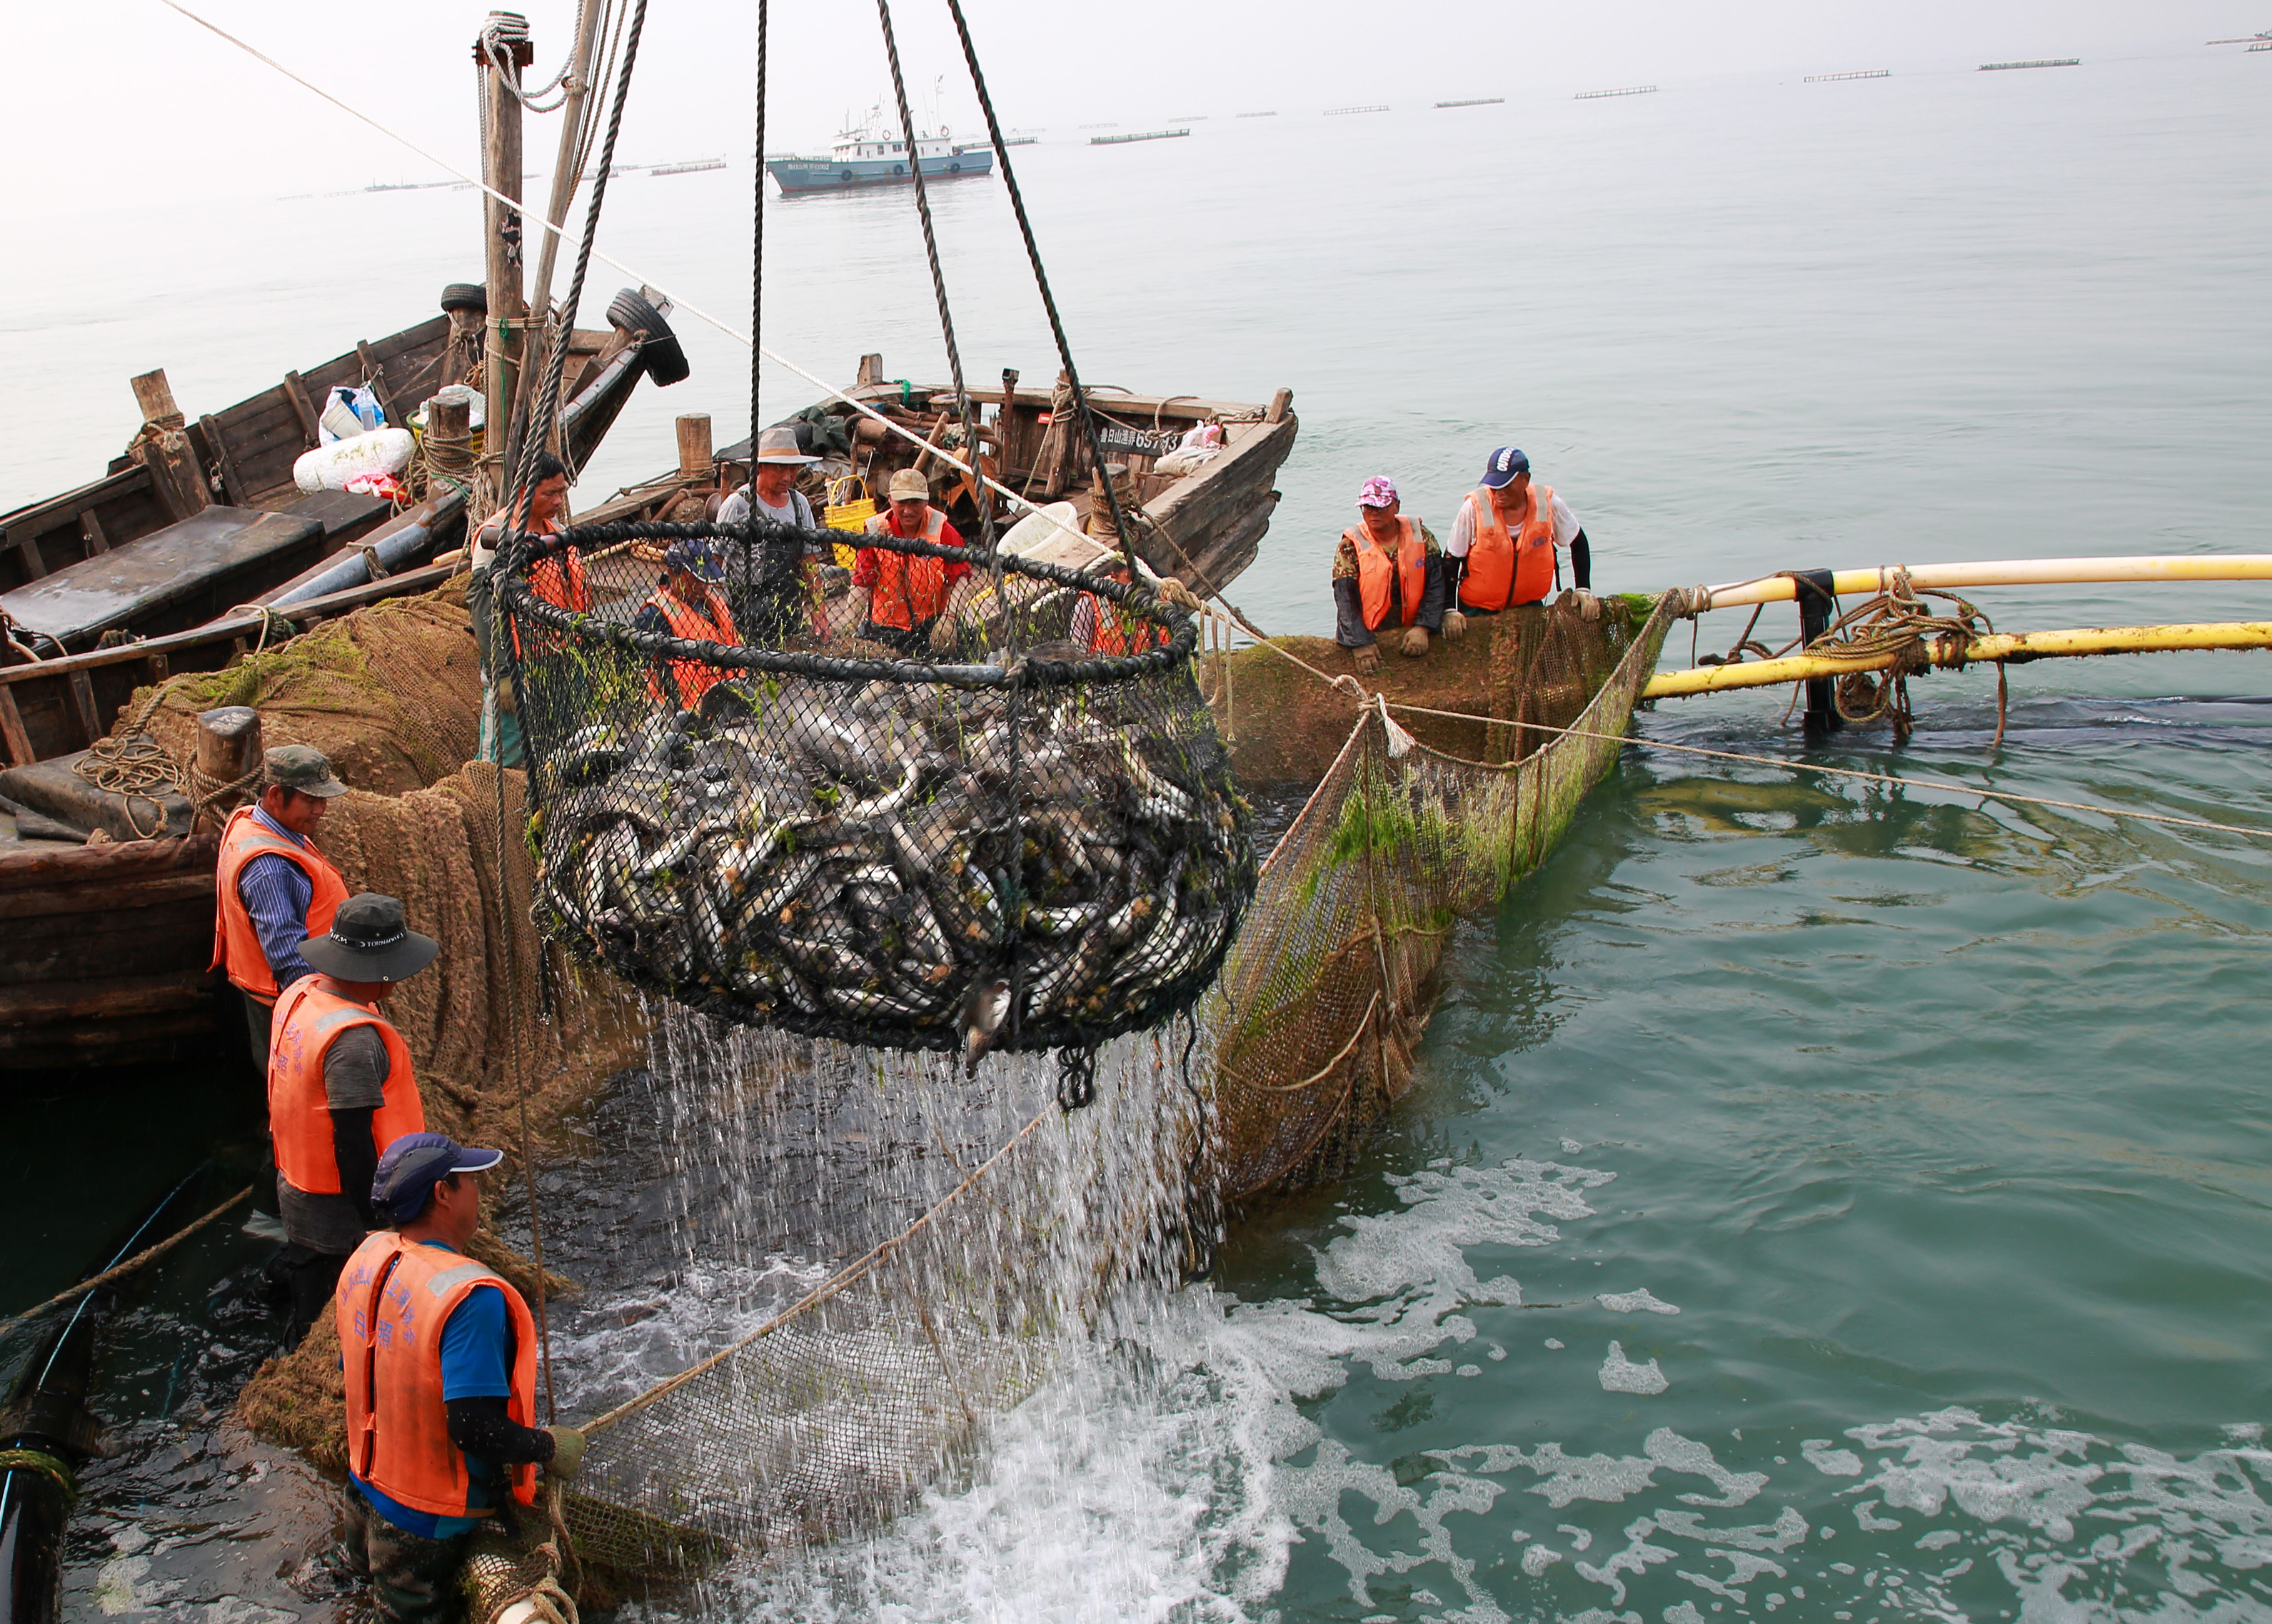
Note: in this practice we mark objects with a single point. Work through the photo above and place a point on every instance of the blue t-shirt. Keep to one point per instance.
(477, 1352)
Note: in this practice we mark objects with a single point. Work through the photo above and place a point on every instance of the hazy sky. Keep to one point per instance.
(113, 102)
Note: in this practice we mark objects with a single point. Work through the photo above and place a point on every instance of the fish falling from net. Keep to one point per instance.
(891, 855)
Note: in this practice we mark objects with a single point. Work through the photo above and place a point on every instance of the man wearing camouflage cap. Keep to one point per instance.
(274, 890)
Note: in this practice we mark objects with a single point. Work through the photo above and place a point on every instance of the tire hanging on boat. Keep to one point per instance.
(1010, 844)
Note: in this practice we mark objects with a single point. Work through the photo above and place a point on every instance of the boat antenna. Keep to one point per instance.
(1085, 412)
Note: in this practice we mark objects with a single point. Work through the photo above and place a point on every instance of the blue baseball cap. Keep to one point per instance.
(695, 558)
(1503, 465)
(414, 1164)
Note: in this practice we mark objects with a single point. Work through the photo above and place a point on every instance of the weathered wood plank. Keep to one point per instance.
(85, 900)
(12, 725)
(82, 692)
(64, 509)
(35, 563)
(90, 525)
(296, 391)
(232, 482)
(119, 998)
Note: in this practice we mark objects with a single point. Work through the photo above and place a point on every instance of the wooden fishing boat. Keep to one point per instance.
(1199, 519)
(198, 517)
(116, 936)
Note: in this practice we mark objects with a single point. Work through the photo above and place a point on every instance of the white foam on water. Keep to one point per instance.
(1642, 1301)
(1168, 1472)
(1620, 1374)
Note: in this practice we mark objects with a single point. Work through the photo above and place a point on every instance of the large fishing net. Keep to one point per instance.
(1330, 987)
(985, 826)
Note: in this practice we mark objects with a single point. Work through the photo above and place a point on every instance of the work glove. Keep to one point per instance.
(1455, 625)
(1415, 641)
(567, 1452)
(1367, 658)
(1577, 599)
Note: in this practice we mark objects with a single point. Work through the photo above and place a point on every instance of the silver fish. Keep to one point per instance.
(984, 1007)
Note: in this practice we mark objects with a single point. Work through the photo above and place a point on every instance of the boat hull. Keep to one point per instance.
(806, 175)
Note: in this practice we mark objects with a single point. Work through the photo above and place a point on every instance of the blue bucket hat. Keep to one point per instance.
(1503, 466)
(414, 1164)
(695, 558)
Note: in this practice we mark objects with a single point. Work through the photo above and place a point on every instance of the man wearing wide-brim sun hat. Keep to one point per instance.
(768, 585)
(901, 597)
(340, 1091)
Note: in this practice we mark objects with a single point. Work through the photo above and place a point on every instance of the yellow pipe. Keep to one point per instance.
(2015, 647)
(2010, 572)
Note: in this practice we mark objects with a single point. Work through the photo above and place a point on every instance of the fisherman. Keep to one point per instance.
(770, 587)
(272, 890)
(440, 1359)
(1389, 570)
(558, 579)
(687, 604)
(340, 1091)
(901, 597)
(1103, 627)
(1503, 545)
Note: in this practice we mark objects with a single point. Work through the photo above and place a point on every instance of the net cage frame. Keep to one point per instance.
(1173, 663)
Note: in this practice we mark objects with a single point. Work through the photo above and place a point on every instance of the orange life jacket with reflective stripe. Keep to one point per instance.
(909, 590)
(393, 1299)
(1505, 570)
(1118, 632)
(237, 944)
(309, 1017)
(692, 678)
(1374, 567)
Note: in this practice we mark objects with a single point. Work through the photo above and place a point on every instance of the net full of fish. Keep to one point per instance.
(869, 861)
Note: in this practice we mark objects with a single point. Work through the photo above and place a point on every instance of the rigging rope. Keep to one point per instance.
(889, 425)
(1041, 280)
(757, 252)
(147, 1255)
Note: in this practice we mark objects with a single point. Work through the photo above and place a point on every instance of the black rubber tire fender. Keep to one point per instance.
(665, 361)
(471, 297)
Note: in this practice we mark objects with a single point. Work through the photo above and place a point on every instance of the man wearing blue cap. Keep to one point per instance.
(440, 1358)
(1503, 545)
(688, 603)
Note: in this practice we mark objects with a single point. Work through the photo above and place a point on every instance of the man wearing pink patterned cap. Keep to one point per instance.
(1388, 572)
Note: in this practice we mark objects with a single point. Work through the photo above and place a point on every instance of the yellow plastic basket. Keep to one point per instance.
(852, 516)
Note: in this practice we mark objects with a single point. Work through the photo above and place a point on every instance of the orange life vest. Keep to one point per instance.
(1374, 566)
(311, 1015)
(559, 580)
(237, 944)
(909, 590)
(1118, 631)
(1503, 571)
(393, 1299)
(693, 678)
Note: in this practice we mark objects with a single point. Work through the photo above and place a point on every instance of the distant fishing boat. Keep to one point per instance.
(1272, 112)
(875, 154)
(1145, 135)
(694, 167)
(1864, 73)
(1474, 101)
(1629, 90)
(1378, 106)
(2043, 62)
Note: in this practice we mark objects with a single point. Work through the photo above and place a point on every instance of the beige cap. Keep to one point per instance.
(907, 484)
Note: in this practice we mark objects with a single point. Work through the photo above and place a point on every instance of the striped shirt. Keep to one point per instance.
(276, 892)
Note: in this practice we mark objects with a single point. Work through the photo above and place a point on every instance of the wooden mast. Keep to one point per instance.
(500, 238)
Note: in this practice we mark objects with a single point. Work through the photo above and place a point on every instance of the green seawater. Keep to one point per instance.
(1939, 1120)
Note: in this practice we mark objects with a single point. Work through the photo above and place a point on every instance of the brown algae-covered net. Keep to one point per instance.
(1327, 992)
(841, 841)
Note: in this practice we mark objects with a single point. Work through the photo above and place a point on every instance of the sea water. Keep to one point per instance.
(1817, 1199)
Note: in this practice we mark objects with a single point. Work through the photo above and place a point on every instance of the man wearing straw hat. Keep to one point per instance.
(440, 1358)
(339, 1090)
(768, 586)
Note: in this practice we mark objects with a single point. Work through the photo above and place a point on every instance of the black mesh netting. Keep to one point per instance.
(880, 831)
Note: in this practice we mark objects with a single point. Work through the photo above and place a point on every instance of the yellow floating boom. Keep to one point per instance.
(2008, 573)
(2016, 648)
